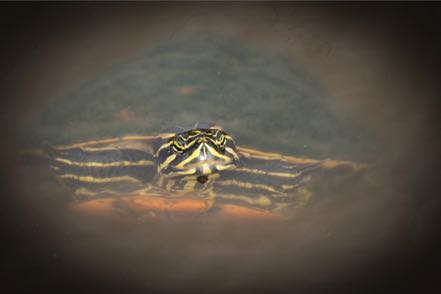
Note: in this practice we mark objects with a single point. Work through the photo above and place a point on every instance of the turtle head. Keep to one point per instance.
(197, 152)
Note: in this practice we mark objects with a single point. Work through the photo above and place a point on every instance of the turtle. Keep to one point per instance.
(196, 171)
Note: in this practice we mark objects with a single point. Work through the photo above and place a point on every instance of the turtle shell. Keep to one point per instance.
(265, 100)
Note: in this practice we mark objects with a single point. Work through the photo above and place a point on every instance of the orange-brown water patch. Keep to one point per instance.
(185, 90)
(180, 207)
(244, 213)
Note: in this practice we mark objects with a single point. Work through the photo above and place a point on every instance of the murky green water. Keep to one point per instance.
(263, 99)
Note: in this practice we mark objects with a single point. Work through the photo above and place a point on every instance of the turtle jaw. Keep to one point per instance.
(201, 168)
(210, 167)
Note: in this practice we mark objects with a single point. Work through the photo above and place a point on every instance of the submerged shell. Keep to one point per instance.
(265, 99)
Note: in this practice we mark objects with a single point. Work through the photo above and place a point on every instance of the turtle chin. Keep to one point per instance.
(207, 168)
(204, 170)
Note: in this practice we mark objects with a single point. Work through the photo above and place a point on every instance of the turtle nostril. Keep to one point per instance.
(202, 179)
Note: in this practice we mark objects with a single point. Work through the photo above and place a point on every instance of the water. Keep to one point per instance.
(265, 98)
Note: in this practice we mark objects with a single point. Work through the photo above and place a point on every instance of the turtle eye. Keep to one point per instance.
(222, 141)
(177, 147)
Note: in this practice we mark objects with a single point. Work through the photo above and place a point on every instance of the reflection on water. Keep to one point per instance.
(264, 100)
(318, 245)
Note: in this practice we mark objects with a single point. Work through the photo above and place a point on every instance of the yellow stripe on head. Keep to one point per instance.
(217, 154)
(232, 152)
(216, 127)
(166, 162)
(163, 146)
(194, 155)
